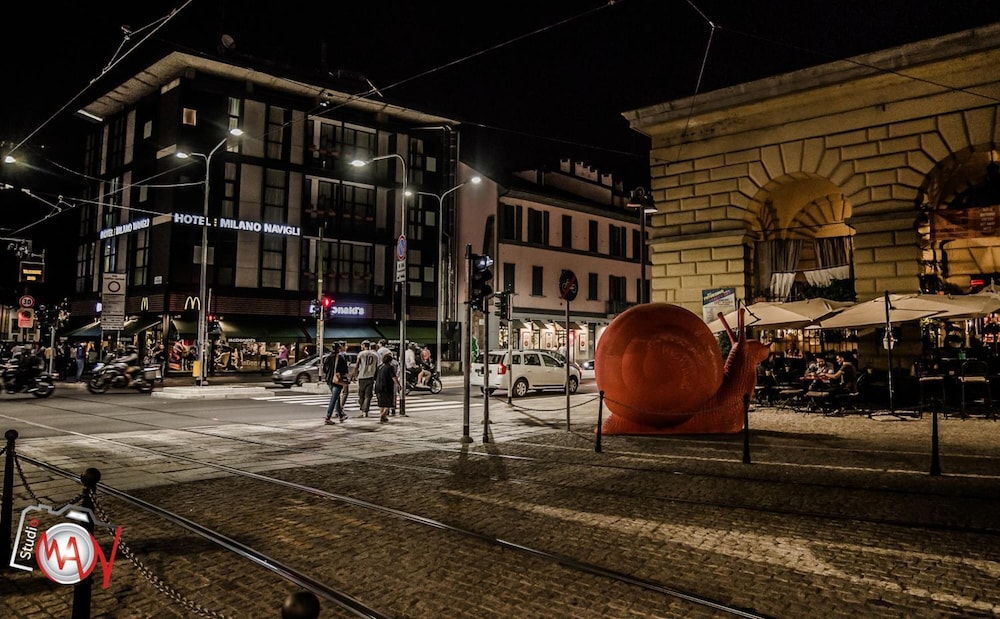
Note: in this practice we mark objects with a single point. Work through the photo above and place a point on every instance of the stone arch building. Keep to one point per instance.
(874, 173)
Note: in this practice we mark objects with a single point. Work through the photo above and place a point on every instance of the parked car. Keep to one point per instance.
(526, 370)
(587, 369)
(308, 370)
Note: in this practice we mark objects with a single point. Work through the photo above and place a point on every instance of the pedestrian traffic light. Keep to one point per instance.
(503, 305)
(212, 323)
(480, 285)
(327, 304)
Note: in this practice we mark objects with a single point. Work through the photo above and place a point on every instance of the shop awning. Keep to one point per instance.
(88, 330)
(186, 329)
(351, 332)
(264, 329)
(420, 335)
(138, 325)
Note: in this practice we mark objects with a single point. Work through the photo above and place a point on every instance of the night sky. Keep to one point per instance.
(534, 80)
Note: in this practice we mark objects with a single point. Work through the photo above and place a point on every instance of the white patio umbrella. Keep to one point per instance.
(764, 314)
(966, 306)
(902, 308)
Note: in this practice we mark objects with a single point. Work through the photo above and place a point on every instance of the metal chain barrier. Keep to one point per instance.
(39, 500)
(153, 579)
(544, 410)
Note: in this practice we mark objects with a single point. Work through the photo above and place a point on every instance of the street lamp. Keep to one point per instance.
(443, 294)
(642, 201)
(401, 255)
(202, 280)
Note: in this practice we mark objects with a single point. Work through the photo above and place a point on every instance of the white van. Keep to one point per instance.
(526, 370)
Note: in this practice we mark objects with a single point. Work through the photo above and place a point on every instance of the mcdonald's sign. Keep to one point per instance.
(192, 303)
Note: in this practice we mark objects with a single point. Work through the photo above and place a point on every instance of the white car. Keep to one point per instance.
(526, 370)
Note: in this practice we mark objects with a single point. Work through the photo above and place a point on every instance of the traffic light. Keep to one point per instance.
(480, 287)
(503, 305)
(212, 324)
(327, 304)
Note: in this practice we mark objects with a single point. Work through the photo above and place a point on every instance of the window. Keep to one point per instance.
(538, 227)
(349, 267)
(592, 287)
(617, 288)
(139, 272)
(536, 281)
(616, 241)
(567, 231)
(510, 222)
(189, 117)
(273, 245)
(277, 123)
(509, 273)
(592, 236)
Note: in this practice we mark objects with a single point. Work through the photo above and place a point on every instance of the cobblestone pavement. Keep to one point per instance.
(832, 517)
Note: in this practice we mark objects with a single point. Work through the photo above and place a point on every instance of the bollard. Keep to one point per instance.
(746, 429)
(935, 461)
(82, 590)
(7, 502)
(600, 414)
(300, 605)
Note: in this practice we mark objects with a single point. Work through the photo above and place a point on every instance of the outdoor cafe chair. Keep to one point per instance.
(974, 383)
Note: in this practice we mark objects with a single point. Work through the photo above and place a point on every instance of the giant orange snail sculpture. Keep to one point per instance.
(661, 371)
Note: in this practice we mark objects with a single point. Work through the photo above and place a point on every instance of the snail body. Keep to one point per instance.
(662, 372)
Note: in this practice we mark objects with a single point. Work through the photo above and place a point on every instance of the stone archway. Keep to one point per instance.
(803, 216)
(958, 222)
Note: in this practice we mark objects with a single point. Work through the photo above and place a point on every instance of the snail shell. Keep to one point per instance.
(658, 364)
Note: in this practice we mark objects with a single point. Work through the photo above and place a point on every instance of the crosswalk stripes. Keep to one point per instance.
(352, 402)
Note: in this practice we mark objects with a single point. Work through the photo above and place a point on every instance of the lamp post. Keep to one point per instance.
(202, 280)
(401, 245)
(443, 294)
(644, 203)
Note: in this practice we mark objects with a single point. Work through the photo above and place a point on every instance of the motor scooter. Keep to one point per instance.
(432, 384)
(111, 375)
(33, 380)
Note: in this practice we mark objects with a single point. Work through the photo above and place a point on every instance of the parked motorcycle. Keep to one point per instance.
(111, 375)
(35, 381)
(432, 384)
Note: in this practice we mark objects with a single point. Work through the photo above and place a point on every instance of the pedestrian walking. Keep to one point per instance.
(283, 356)
(335, 372)
(386, 384)
(81, 360)
(347, 388)
(364, 372)
(383, 349)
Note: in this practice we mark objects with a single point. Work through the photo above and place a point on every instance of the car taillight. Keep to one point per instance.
(501, 370)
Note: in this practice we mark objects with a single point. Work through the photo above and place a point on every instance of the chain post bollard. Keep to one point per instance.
(7, 502)
(300, 605)
(82, 590)
(600, 415)
(746, 429)
(935, 460)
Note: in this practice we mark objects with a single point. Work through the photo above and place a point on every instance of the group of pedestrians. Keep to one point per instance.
(376, 373)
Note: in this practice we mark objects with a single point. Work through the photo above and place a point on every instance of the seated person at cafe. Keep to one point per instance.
(845, 379)
(819, 373)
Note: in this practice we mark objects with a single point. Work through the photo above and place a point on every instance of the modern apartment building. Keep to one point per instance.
(289, 219)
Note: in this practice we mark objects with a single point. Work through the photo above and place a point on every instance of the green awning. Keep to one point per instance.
(90, 330)
(186, 329)
(264, 329)
(138, 325)
(351, 332)
(418, 334)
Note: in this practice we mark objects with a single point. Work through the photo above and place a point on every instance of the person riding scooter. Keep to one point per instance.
(129, 361)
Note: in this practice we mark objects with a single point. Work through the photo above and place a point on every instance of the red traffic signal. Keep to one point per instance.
(327, 302)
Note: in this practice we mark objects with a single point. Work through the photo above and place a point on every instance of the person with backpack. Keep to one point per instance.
(335, 372)
(364, 371)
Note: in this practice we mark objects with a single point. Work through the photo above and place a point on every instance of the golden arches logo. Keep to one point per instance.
(144, 304)
(192, 303)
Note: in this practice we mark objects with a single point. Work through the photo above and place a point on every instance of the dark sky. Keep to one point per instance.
(538, 79)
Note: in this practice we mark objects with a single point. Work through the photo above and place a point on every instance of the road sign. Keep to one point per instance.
(25, 318)
(27, 301)
(568, 286)
(400, 271)
(401, 247)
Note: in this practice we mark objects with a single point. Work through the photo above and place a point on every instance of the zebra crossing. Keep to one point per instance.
(308, 399)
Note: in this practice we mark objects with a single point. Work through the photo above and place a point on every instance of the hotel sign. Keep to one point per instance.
(222, 223)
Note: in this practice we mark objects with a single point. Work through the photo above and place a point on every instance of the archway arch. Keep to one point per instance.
(803, 241)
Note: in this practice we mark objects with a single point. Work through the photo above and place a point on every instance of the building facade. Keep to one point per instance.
(871, 174)
(537, 226)
(289, 219)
